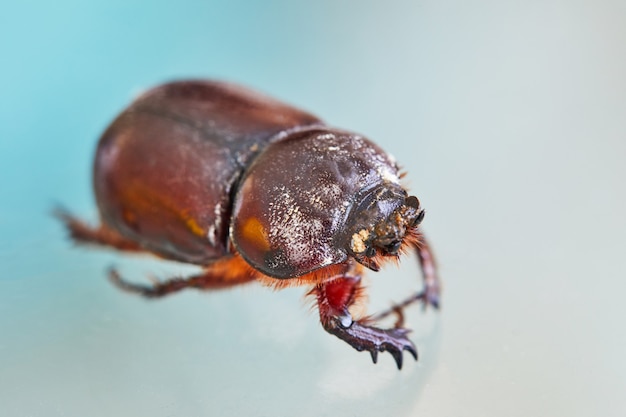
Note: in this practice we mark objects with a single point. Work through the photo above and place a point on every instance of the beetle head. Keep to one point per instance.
(381, 222)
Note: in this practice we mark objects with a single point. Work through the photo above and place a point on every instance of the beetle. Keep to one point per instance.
(250, 189)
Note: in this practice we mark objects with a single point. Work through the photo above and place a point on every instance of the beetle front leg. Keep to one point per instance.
(432, 285)
(334, 298)
(430, 295)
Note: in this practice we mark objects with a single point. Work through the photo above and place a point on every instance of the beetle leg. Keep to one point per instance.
(430, 295)
(81, 232)
(432, 285)
(398, 308)
(334, 297)
(219, 275)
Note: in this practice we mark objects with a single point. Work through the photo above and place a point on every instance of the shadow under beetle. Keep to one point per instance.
(251, 189)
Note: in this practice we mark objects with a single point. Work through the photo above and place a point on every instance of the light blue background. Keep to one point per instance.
(509, 117)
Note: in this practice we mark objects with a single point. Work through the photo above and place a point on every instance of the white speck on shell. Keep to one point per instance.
(296, 232)
(213, 229)
(211, 235)
(388, 175)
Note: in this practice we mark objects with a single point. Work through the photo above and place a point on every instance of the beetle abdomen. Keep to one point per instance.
(166, 167)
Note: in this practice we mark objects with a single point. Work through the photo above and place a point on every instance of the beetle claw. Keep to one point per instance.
(411, 349)
(429, 297)
(372, 339)
(397, 356)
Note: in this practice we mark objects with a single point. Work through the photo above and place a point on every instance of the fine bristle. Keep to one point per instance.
(412, 239)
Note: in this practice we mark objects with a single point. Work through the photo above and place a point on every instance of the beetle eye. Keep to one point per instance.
(370, 252)
(412, 201)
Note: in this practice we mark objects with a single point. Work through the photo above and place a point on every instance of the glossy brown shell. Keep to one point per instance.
(196, 170)
(165, 169)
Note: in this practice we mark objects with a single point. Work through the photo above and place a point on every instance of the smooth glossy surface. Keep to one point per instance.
(509, 117)
(167, 168)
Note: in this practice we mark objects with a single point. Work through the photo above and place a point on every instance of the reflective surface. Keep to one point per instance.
(509, 118)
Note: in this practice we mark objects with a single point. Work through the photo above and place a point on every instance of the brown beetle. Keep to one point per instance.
(251, 189)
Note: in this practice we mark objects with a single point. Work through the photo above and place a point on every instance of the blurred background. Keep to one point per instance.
(509, 117)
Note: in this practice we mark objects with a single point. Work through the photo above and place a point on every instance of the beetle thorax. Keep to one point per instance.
(304, 198)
